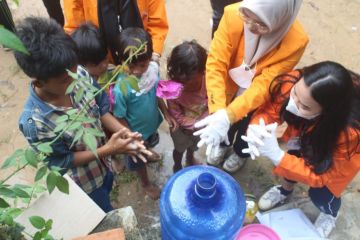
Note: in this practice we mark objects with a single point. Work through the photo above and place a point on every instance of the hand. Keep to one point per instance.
(172, 122)
(214, 130)
(121, 142)
(156, 58)
(129, 134)
(253, 137)
(269, 146)
(141, 154)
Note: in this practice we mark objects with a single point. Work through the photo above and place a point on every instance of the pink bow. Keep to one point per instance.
(169, 89)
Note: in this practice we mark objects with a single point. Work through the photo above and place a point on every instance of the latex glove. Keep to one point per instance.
(253, 137)
(271, 148)
(214, 130)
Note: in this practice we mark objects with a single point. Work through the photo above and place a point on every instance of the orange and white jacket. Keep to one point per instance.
(344, 168)
(153, 14)
(227, 52)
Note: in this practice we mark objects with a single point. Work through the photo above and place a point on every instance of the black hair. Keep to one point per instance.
(186, 59)
(91, 46)
(51, 50)
(331, 86)
(135, 37)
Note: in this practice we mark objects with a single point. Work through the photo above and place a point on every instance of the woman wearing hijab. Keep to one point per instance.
(256, 41)
(320, 104)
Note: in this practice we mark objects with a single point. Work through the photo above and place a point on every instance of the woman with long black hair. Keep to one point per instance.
(320, 104)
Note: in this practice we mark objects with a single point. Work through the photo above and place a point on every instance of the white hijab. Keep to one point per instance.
(278, 15)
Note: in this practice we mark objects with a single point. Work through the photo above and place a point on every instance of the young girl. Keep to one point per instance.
(186, 65)
(321, 107)
(138, 109)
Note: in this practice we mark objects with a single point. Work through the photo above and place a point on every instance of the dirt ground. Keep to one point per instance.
(334, 31)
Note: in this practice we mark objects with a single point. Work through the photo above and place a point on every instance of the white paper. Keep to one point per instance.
(73, 215)
(290, 225)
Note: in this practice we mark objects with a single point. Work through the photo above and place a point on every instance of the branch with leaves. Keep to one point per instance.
(47, 179)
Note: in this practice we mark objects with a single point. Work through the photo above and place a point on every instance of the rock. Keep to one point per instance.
(124, 218)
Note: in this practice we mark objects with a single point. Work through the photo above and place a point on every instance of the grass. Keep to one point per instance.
(124, 177)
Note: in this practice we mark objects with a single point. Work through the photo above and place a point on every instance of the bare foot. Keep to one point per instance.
(152, 191)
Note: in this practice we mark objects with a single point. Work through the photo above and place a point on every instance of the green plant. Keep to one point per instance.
(47, 179)
(9, 39)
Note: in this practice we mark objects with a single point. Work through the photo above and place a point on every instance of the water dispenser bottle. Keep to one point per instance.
(201, 202)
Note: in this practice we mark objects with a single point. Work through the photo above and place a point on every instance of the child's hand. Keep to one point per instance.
(172, 122)
(141, 154)
(134, 135)
(120, 142)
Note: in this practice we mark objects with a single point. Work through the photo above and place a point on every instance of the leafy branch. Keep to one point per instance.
(71, 122)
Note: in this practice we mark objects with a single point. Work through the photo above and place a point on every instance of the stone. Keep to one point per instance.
(121, 218)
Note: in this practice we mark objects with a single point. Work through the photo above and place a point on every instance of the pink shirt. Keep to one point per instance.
(189, 108)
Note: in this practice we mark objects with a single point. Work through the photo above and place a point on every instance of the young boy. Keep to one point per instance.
(91, 49)
(51, 53)
(92, 55)
(140, 109)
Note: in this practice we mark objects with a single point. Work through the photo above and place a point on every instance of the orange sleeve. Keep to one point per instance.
(294, 168)
(268, 112)
(258, 92)
(157, 24)
(217, 66)
(74, 14)
(344, 168)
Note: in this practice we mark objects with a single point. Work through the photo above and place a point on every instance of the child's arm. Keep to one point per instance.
(65, 158)
(114, 125)
(117, 144)
(177, 112)
(163, 108)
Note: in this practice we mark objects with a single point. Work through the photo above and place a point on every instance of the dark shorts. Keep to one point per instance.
(184, 139)
(101, 195)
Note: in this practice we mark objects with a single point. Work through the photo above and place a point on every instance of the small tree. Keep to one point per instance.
(47, 179)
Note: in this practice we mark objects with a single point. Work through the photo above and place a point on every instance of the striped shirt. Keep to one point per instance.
(38, 121)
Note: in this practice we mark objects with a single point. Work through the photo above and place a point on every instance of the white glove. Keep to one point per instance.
(214, 130)
(271, 148)
(253, 137)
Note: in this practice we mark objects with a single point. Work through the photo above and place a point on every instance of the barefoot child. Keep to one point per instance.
(92, 55)
(52, 52)
(186, 65)
(139, 108)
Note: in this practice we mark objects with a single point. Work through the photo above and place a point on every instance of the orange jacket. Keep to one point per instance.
(337, 177)
(153, 14)
(227, 52)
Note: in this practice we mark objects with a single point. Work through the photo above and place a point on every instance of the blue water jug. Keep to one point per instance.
(201, 202)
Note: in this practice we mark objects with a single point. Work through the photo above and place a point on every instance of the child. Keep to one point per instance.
(52, 52)
(92, 54)
(140, 109)
(186, 65)
(92, 49)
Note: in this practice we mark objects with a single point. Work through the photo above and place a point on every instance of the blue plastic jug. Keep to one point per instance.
(201, 202)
